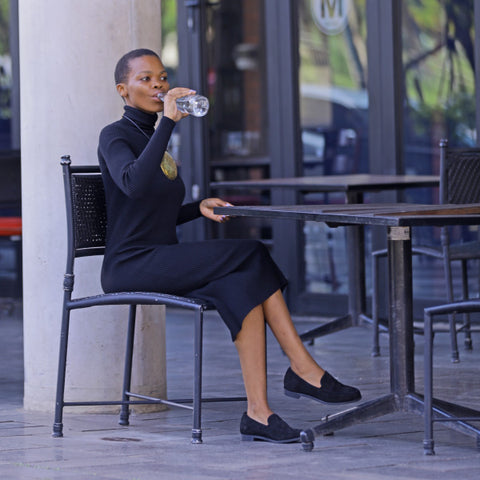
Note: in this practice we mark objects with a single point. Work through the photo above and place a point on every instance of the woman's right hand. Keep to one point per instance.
(170, 109)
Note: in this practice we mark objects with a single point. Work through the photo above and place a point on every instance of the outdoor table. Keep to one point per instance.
(399, 220)
(353, 186)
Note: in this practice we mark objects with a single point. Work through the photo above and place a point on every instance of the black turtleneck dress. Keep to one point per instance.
(144, 208)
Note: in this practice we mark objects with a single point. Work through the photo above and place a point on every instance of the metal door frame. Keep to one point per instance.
(191, 25)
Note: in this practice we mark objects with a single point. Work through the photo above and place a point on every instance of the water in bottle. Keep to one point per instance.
(196, 105)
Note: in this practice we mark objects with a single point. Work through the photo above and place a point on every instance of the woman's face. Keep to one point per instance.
(147, 78)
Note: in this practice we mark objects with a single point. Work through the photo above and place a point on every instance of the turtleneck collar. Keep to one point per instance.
(142, 119)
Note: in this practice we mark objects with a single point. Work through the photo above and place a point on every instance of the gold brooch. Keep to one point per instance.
(168, 166)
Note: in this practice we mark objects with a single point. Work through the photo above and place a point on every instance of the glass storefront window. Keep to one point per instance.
(169, 55)
(334, 121)
(10, 188)
(439, 99)
(438, 63)
(333, 95)
(5, 77)
(233, 70)
(236, 80)
(10, 184)
(169, 52)
(238, 142)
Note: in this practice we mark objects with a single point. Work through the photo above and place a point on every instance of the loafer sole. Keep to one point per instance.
(289, 393)
(251, 438)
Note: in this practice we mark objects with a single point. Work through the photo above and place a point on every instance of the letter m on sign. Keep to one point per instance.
(331, 5)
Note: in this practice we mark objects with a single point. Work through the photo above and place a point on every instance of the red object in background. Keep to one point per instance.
(10, 226)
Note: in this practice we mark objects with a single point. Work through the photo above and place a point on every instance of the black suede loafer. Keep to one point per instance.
(330, 391)
(277, 431)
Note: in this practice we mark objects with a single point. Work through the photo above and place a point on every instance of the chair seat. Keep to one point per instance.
(139, 298)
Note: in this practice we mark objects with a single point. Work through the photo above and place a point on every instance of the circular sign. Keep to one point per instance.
(331, 16)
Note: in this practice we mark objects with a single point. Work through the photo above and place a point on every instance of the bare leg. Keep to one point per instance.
(250, 343)
(279, 320)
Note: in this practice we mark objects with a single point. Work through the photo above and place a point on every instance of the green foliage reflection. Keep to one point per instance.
(438, 57)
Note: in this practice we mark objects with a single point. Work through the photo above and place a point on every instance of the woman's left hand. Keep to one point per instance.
(208, 204)
(170, 109)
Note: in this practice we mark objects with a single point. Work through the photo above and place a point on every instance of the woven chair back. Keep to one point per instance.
(89, 213)
(460, 175)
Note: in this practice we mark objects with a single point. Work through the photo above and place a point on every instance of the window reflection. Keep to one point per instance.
(438, 45)
(236, 80)
(439, 99)
(238, 123)
(333, 96)
(334, 121)
(5, 78)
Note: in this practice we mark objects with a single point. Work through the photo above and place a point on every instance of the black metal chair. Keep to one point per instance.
(459, 183)
(86, 227)
(452, 415)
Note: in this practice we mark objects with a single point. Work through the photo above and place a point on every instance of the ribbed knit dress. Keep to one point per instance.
(144, 208)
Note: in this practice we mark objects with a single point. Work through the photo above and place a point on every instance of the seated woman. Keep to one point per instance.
(144, 197)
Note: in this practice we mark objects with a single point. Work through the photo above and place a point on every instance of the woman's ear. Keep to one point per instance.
(122, 90)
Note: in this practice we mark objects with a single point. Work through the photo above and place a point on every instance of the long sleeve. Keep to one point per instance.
(144, 206)
(188, 212)
(130, 173)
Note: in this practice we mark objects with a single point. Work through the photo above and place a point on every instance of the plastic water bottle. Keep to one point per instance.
(196, 105)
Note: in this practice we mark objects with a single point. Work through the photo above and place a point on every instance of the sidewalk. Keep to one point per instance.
(157, 445)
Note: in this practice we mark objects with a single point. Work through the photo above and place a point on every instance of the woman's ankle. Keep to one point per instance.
(260, 414)
(310, 374)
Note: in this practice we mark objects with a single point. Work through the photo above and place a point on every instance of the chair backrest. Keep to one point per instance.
(459, 174)
(86, 210)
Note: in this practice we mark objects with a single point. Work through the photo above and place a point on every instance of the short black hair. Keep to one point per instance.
(123, 65)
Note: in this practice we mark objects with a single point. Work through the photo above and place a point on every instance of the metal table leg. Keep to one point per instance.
(401, 345)
(402, 376)
(356, 264)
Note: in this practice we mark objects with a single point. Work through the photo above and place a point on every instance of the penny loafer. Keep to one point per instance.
(330, 391)
(277, 431)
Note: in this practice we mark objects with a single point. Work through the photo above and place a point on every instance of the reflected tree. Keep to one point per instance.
(439, 68)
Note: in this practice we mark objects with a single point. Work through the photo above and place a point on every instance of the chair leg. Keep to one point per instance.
(466, 316)
(62, 366)
(127, 374)
(428, 443)
(451, 317)
(376, 333)
(197, 378)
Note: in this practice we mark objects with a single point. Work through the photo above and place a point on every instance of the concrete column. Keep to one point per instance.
(68, 51)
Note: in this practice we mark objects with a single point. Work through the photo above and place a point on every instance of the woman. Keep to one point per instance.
(144, 204)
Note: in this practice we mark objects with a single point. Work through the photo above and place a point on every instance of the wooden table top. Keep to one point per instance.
(386, 214)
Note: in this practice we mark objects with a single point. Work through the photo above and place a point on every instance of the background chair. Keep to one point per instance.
(86, 228)
(459, 183)
(451, 415)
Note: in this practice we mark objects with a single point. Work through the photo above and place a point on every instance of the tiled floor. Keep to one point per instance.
(157, 446)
